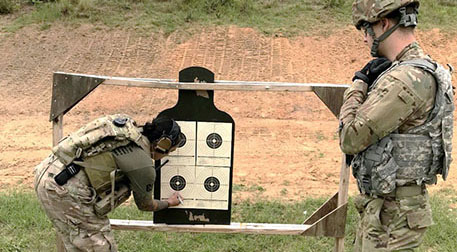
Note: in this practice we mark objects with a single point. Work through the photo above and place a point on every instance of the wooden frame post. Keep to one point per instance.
(342, 197)
(57, 130)
(57, 134)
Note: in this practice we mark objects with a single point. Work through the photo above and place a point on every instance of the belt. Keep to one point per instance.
(406, 191)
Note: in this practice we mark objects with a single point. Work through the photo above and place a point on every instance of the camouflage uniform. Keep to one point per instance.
(400, 131)
(400, 100)
(72, 207)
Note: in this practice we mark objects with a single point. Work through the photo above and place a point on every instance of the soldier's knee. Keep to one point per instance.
(99, 241)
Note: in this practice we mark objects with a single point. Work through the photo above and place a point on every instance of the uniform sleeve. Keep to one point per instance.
(139, 169)
(366, 118)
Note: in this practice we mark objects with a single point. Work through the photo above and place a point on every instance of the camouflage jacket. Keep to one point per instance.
(408, 115)
(400, 100)
(116, 159)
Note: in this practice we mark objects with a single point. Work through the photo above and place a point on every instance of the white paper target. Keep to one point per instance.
(185, 154)
(214, 144)
(177, 178)
(200, 169)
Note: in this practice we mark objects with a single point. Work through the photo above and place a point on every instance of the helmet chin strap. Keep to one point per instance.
(378, 40)
(406, 20)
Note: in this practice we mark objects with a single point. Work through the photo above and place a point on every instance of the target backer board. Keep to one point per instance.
(201, 168)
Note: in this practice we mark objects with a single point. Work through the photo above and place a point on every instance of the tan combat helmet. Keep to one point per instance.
(367, 12)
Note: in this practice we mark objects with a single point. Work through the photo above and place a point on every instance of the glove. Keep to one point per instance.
(349, 159)
(372, 70)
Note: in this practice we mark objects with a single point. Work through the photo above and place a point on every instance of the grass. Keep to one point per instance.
(251, 188)
(438, 14)
(7, 6)
(24, 227)
(278, 17)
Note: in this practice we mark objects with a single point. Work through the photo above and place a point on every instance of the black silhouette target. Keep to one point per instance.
(178, 183)
(212, 184)
(201, 169)
(214, 140)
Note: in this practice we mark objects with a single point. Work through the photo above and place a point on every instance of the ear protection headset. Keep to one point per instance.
(166, 142)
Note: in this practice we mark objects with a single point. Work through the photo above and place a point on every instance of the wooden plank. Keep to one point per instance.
(217, 85)
(69, 90)
(331, 97)
(331, 225)
(343, 197)
(326, 208)
(233, 228)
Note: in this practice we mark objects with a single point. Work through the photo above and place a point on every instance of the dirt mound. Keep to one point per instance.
(286, 143)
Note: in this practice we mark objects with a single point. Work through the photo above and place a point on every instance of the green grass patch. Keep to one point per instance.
(9, 6)
(25, 227)
(443, 235)
(438, 14)
(279, 17)
(245, 188)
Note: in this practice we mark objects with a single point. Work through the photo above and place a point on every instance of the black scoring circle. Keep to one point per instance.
(178, 183)
(214, 140)
(212, 184)
(183, 140)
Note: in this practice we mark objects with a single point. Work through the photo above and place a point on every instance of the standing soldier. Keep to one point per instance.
(397, 121)
(93, 170)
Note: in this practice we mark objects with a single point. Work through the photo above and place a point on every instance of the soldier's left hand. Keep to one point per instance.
(370, 72)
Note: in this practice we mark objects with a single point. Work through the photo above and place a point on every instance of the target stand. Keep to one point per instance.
(201, 169)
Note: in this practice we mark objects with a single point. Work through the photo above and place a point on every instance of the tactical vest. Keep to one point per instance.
(416, 156)
(91, 146)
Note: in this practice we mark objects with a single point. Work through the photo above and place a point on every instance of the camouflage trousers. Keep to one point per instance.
(71, 209)
(393, 223)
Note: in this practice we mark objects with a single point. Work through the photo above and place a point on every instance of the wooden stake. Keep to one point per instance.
(57, 133)
(57, 130)
(342, 197)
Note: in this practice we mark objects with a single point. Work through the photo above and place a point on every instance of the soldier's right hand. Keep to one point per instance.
(174, 200)
(370, 72)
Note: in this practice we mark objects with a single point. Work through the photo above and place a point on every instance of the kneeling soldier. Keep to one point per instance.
(95, 169)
